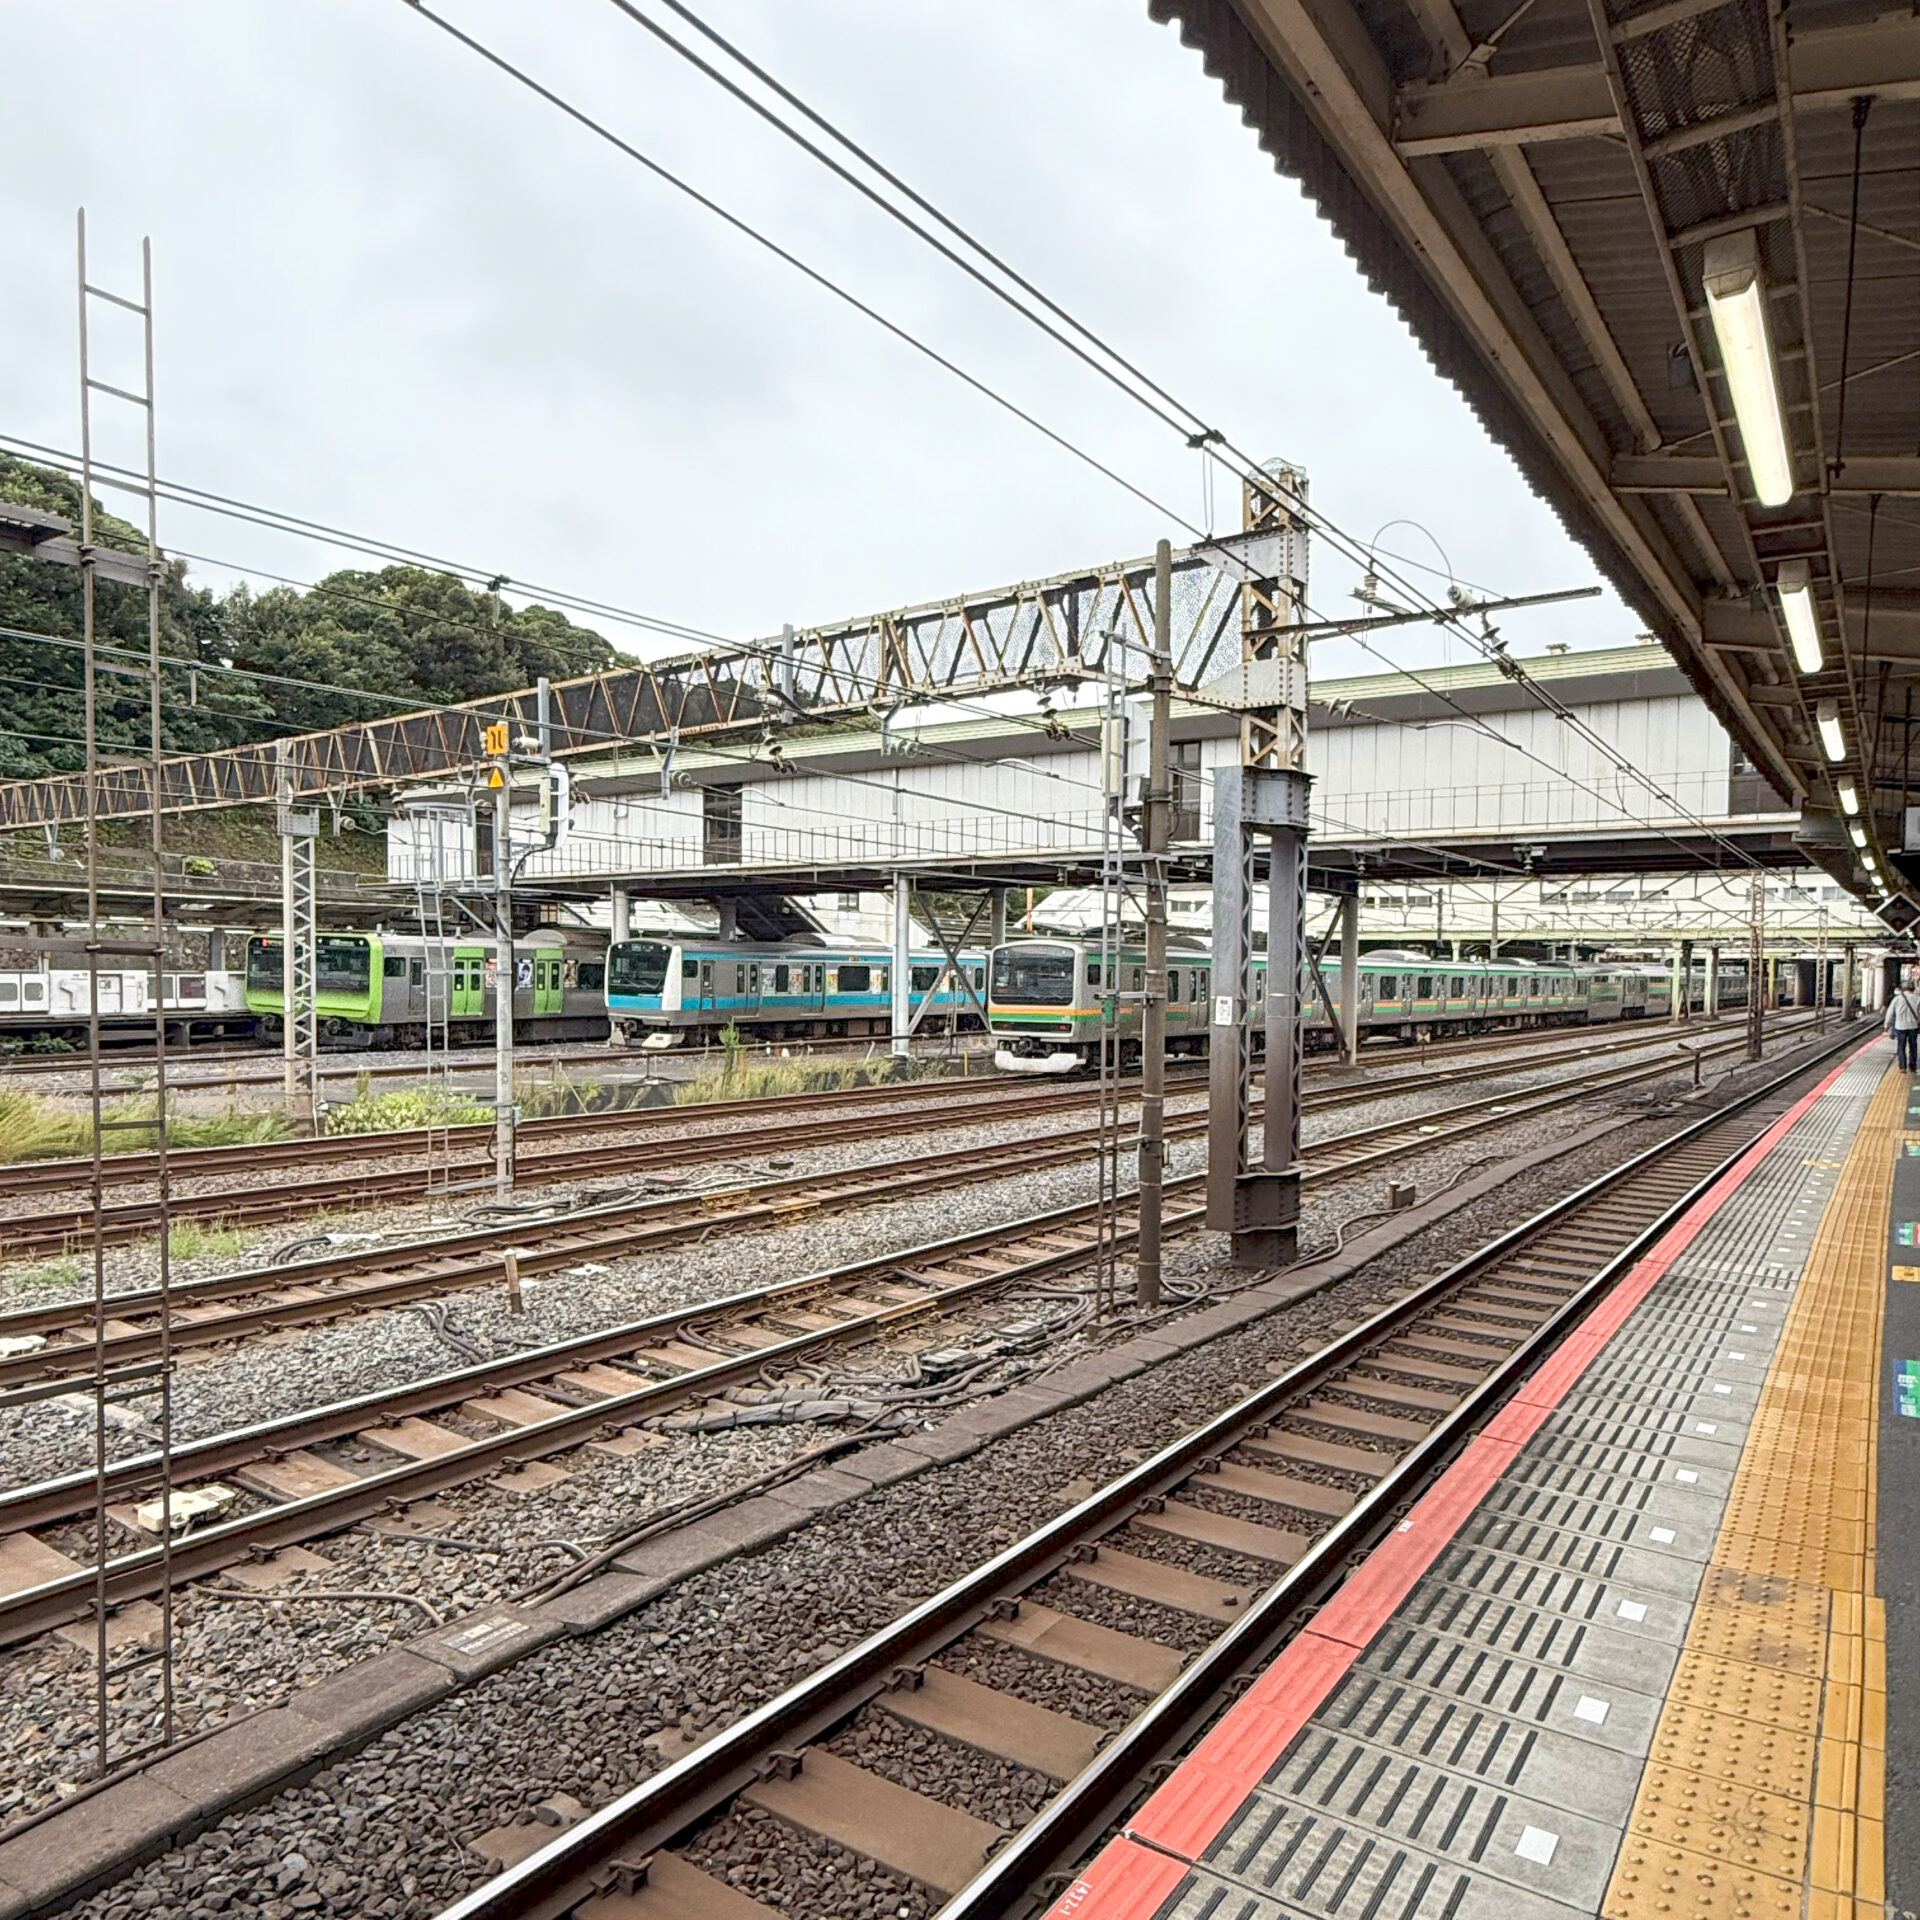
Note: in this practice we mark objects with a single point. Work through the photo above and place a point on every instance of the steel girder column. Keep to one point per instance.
(1256, 1198)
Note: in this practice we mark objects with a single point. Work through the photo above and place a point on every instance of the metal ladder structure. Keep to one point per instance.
(123, 1657)
(440, 823)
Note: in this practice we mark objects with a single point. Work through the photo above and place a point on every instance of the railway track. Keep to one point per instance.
(309, 1474)
(1288, 1488)
(224, 1307)
(926, 1104)
(349, 1064)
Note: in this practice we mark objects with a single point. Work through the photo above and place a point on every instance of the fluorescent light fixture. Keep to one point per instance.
(1849, 796)
(1737, 301)
(1857, 834)
(1832, 740)
(1795, 586)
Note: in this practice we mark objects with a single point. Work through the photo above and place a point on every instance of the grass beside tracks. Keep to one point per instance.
(395, 1112)
(737, 1075)
(34, 1128)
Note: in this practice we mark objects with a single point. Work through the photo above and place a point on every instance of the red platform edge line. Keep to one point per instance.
(1129, 1880)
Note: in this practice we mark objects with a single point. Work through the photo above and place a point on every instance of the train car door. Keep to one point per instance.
(469, 983)
(547, 974)
(706, 983)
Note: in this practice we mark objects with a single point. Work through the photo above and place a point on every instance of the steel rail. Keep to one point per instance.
(142, 1573)
(472, 1259)
(134, 1575)
(46, 1176)
(342, 1063)
(32, 1235)
(52, 1176)
(610, 1847)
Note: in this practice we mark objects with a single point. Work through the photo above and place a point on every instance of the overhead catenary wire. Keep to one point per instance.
(1246, 471)
(1212, 443)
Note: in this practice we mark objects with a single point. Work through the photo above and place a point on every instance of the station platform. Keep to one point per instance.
(1629, 1656)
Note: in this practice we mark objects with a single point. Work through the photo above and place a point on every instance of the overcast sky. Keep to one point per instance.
(398, 294)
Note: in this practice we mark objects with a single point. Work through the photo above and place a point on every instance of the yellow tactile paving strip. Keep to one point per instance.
(1764, 1793)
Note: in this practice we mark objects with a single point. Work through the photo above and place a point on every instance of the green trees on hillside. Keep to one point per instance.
(420, 637)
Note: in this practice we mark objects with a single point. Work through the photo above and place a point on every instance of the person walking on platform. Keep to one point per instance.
(1903, 1022)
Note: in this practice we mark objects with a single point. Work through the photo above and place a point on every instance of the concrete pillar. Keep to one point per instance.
(1713, 983)
(216, 949)
(1681, 992)
(1350, 977)
(901, 978)
(996, 916)
(729, 919)
(622, 914)
(1849, 982)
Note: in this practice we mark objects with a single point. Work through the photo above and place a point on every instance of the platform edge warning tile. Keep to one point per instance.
(1795, 1828)
(1176, 1823)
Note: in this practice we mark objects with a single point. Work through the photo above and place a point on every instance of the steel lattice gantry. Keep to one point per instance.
(1535, 185)
(1044, 632)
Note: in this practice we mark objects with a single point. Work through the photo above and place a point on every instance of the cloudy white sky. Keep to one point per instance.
(398, 294)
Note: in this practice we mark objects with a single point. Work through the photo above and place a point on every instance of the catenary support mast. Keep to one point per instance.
(1255, 1197)
(1156, 822)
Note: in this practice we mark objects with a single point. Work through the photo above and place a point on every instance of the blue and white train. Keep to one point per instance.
(660, 992)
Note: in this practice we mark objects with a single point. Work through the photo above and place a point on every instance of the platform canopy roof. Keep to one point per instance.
(1543, 188)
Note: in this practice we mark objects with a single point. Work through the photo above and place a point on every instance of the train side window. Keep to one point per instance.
(1457, 989)
(9, 993)
(1173, 983)
(1389, 988)
(856, 979)
(979, 979)
(593, 973)
(1423, 988)
(883, 979)
(1093, 973)
(393, 966)
(416, 972)
(923, 978)
(781, 975)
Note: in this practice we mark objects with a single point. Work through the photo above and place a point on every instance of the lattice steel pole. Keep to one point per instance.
(1257, 1200)
(155, 1381)
(1157, 822)
(1756, 964)
(299, 937)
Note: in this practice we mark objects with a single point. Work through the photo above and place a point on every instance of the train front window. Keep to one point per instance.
(1035, 976)
(340, 965)
(263, 966)
(637, 966)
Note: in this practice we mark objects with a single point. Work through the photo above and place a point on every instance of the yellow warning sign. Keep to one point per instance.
(498, 779)
(494, 740)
